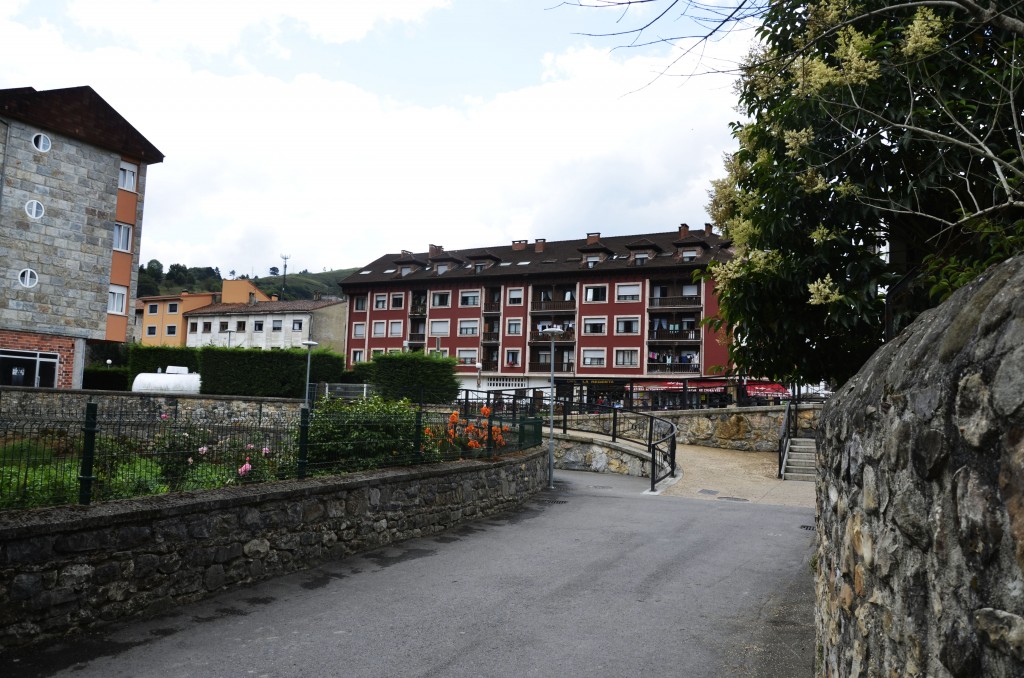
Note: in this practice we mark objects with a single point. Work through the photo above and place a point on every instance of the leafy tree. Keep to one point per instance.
(155, 270)
(177, 273)
(145, 286)
(274, 270)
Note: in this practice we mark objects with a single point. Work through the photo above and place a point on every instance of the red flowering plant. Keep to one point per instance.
(461, 434)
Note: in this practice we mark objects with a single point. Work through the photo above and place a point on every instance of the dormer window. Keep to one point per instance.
(593, 260)
(405, 270)
(479, 267)
(689, 255)
(640, 258)
(441, 268)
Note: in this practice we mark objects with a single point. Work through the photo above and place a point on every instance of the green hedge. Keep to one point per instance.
(106, 378)
(242, 371)
(416, 376)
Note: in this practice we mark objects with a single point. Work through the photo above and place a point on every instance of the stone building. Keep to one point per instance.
(73, 186)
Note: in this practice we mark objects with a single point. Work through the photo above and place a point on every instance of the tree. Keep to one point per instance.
(177, 273)
(155, 270)
(882, 162)
(274, 270)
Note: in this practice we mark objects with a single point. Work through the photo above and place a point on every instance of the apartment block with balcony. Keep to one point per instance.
(72, 189)
(629, 308)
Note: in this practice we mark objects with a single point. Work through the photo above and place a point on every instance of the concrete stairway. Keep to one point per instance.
(800, 463)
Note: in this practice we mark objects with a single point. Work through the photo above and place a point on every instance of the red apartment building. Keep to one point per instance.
(629, 306)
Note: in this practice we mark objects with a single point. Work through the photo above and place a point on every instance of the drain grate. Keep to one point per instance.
(807, 527)
(552, 501)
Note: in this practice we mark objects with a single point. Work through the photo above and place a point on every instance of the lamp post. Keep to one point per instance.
(309, 344)
(551, 333)
(230, 332)
(479, 367)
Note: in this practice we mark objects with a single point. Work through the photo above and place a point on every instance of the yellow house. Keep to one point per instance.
(161, 319)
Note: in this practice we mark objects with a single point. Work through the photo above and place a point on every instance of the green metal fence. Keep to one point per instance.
(51, 458)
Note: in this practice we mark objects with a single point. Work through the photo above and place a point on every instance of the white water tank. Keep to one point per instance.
(174, 380)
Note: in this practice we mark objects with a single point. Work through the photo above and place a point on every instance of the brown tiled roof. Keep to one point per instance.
(556, 258)
(298, 306)
(79, 113)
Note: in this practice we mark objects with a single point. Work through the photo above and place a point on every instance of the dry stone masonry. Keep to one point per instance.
(921, 496)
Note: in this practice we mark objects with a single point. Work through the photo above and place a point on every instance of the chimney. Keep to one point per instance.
(252, 298)
(273, 297)
(406, 253)
(538, 245)
(436, 250)
(707, 229)
(684, 230)
(518, 245)
(592, 238)
(316, 296)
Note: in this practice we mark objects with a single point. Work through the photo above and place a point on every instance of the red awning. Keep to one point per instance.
(691, 385)
(767, 390)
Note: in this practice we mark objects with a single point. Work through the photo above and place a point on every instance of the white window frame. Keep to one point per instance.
(508, 327)
(41, 142)
(469, 327)
(380, 302)
(379, 328)
(439, 328)
(602, 319)
(28, 278)
(445, 296)
(587, 294)
(359, 302)
(171, 330)
(518, 291)
(358, 330)
(122, 237)
(622, 288)
(627, 318)
(35, 209)
(396, 328)
(398, 297)
(127, 176)
(257, 325)
(357, 355)
(276, 325)
(466, 356)
(150, 330)
(117, 299)
(509, 353)
(595, 359)
(640, 258)
(462, 298)
(619, 352)
(688, 255)
(296, 324)
(172, 307)
(691, 290)
(441, 269)
(152, 309)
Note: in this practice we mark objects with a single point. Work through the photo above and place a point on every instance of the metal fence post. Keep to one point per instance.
(615, 423)
(650, 448)
(417, 437)
(85, 476)
(490, 432)
(303, 442)
(565, 414)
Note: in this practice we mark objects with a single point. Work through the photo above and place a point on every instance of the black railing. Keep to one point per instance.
(665, 302)
(673, 368)
(50, 459)
(787, 430)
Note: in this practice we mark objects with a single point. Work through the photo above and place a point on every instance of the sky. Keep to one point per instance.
(336, 132)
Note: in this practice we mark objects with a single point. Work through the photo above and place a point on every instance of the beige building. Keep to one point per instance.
(161, 319)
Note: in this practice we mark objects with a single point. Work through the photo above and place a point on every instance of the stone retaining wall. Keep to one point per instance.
(748, 429)
(68, 569)
(920, 494)
(580, 452)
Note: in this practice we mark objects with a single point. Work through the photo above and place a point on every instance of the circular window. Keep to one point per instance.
(41, 142)
(28, 278)
(34, 209)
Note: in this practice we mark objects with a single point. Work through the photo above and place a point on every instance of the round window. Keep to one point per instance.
(34, 209)
(28, 278)
(41, 142)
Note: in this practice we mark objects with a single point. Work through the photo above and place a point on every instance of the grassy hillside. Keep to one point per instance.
(299, 285)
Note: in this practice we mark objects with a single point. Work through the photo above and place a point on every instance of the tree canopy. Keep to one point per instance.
(880, 166)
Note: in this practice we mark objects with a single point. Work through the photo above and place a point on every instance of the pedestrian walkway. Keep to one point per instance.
(729, 475)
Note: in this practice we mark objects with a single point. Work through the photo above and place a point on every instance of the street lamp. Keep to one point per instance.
(309, 344)
(552, 332)
(479, 367)
(230, 332)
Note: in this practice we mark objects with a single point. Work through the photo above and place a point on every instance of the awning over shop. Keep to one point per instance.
(695, 385)
(760, 389)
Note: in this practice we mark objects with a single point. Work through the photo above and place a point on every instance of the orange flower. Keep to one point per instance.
(454, 418)
(475, 444)
(486, 411)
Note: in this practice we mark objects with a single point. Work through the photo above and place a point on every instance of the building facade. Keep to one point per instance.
(629, 308)
(162, 318)
(72, 189)
(268, 324)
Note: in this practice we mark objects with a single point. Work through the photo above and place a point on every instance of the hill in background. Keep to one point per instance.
(302, 285)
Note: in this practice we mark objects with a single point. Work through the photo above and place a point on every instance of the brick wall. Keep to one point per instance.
(28, 341)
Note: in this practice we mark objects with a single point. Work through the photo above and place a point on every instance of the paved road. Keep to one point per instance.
(592, 579)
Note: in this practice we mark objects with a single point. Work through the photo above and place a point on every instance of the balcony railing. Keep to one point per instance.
(417, 337)
(492, 307)
(552, 305)
(567, 335)
(490, 365)
(418, 309)
(560, 367)
(674, 335)
(489, 337)
(668, 302)
(673, 368)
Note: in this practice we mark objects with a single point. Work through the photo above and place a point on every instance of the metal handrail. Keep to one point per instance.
(784, 436)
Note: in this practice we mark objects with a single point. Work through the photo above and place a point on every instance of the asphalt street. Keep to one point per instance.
(595, 578)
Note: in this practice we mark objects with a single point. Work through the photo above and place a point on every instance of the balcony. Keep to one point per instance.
(567, 335)
(418, 309)
(674, 302)
(551, 305)
(674, 335)
(673, 368)
(417, 337)
(490, 365)
(492, 307)
(560, 367)
(489, 337)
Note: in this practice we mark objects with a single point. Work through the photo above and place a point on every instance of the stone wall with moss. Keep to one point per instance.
(920, 567)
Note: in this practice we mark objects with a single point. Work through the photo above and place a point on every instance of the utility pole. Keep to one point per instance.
(284, 279)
